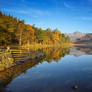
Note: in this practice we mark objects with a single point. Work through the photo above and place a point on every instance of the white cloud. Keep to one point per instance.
(15, 11)
(29, 11)
(68, 5)
(87, 18)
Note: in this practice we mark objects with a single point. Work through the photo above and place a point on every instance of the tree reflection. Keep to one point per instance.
(27, 60)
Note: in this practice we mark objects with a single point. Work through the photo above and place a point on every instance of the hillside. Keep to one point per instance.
(14, 31)
(76, 35)
(86, 40)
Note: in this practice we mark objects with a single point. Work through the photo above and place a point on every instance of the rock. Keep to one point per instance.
(75, 87)
(36, 57)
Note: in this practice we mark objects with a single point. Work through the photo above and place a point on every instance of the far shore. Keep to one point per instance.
(78, 44)
(39, 46)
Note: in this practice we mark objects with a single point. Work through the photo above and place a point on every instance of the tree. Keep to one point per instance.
(31, 33)
(68, 39)
(56, 36)
(19, 32)
(13, 30)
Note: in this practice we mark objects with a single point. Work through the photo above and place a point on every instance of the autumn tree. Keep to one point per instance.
(31, 33)
(68, 39)
(15, 31)
(19, 32)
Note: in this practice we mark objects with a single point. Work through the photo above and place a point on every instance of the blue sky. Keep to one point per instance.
(66, 15)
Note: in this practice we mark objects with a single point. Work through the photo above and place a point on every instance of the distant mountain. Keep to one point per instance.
(87, 37)
(76, 35)
(86, 40)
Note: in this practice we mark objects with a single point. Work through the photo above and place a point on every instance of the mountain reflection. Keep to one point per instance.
(33, 57)
(79, 51)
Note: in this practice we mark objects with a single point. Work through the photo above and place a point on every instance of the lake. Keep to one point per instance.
(49, 70)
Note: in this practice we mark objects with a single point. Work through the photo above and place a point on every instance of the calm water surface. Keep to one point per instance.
(56, 71)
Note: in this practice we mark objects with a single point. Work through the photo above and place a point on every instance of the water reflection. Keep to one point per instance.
(49, 70)
(28, 59)
(79, 51)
